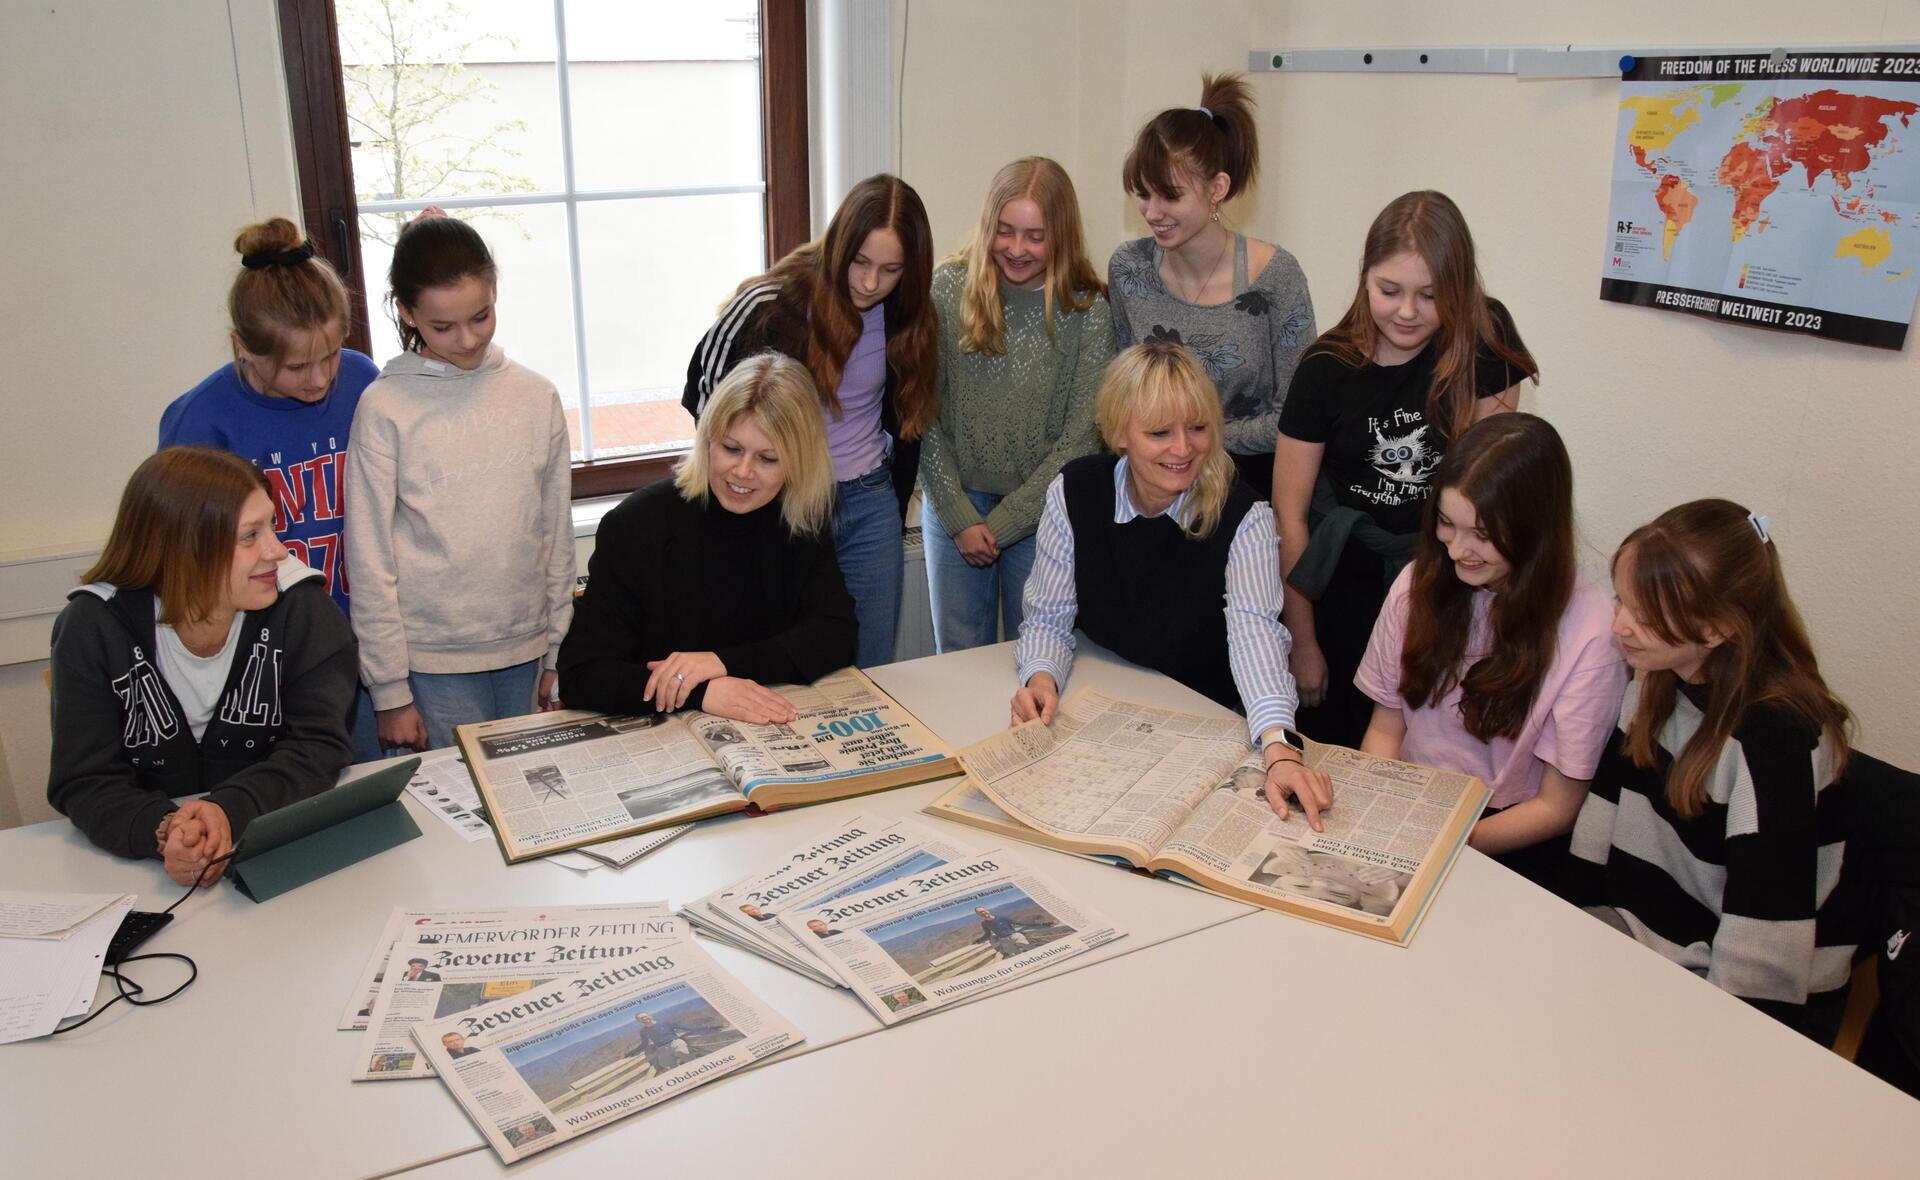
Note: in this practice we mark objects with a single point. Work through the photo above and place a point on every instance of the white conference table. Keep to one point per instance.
(1515, 1036)
(246, 1065)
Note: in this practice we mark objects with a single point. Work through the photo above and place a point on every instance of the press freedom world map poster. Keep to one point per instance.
(1780, 195)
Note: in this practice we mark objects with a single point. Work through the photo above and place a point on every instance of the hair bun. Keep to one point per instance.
(269, 237)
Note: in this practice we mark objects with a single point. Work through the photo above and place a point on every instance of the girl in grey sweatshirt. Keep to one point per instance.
(460, 544)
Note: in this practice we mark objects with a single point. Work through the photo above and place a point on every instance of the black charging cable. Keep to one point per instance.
(131, 991)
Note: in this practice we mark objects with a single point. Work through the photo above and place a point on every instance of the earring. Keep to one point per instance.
(1213, 212)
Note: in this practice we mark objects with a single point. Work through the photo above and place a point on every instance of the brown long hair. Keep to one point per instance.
(813, 282)
(1701, 571)
(1182, 144)
(1514, 469)
(175, 529)
(1071, 283)
(1430, 225)
(281, 293)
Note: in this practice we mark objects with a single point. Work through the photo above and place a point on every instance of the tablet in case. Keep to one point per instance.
(302, 842)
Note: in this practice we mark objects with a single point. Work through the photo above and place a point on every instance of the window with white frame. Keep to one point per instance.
(612, 154)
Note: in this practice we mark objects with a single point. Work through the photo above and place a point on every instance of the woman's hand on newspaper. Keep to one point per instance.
(744, 700)
(1040, 698)
(401, 727)
(1288, 776)
(673, 679)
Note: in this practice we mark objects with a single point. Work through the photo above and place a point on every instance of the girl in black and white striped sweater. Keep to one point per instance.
(1713, 832)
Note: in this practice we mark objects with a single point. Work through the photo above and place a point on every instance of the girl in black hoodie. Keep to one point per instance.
(199, 657)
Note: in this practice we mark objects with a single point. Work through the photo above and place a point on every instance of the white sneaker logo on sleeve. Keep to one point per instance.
(1896, 942)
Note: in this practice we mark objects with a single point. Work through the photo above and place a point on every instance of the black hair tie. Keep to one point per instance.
(266, 258)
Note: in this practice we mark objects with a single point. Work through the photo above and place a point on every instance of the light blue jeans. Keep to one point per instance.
(970, 603)
(866, 539)
(447, 699)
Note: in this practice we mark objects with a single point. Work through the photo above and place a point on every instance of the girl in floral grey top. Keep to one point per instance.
(1240, 304)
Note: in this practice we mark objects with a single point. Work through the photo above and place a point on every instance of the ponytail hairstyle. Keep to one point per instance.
(175, 530)
(1429, 224)
(1071, 281)
(433, 251)
(813, 284)
(1514, 469)
(1702, 572)
(283, 288)
(1183, 145)
(1160, 383)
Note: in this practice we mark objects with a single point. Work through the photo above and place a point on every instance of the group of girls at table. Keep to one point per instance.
(1350, 534)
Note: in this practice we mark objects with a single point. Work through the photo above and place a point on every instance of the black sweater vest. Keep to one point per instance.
(1148, 592)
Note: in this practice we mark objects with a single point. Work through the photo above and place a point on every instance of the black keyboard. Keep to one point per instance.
(135, 928)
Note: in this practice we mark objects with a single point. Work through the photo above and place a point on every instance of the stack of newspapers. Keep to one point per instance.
(902, 915)
(545, 1023)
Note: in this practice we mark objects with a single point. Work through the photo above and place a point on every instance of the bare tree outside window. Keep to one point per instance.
(410, 87)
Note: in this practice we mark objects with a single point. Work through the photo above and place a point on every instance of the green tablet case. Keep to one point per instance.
(284, 850)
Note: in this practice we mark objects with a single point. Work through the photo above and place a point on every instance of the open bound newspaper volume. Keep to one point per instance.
(548, 1064)
(555, 781)
(936, 936)
(1179, 794)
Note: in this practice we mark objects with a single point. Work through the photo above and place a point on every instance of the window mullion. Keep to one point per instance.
(561, 66)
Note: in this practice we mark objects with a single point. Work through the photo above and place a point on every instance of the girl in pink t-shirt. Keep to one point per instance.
(1492, 656)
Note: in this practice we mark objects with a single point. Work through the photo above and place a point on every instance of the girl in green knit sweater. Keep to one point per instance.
(1024, 336)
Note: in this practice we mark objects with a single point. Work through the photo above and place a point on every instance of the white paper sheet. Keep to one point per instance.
(48, 915)
(45, 980)
(443, 786)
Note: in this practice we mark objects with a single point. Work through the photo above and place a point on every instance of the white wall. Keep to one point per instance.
(1656, 407)
(138, 138)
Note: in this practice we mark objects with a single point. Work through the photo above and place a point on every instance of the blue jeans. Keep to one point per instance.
(969, 603)
(447, 699)
(866, 539)
(364, 734)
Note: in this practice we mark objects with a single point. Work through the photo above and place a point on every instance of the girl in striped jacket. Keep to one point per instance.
(1713, 832)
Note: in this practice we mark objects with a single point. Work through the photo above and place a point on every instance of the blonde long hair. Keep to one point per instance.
(1072, 284)
(779, 393)
(1157, 384)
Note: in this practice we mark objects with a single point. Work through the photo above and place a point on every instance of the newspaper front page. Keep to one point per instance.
(904, 847)
(1386, 816)
(929, 939)
(1108, 771)
(366, 988)
(435, 973)
(733, 914)
(550, 1064)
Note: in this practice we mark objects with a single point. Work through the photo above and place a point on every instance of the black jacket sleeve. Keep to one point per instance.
(90, 779)
(602, 660)
(820, 640)
(316, 701)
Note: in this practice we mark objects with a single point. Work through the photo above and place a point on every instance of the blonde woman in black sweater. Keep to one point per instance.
(708, 587)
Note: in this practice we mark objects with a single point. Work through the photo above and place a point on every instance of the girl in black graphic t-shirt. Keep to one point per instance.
(1421, 354)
